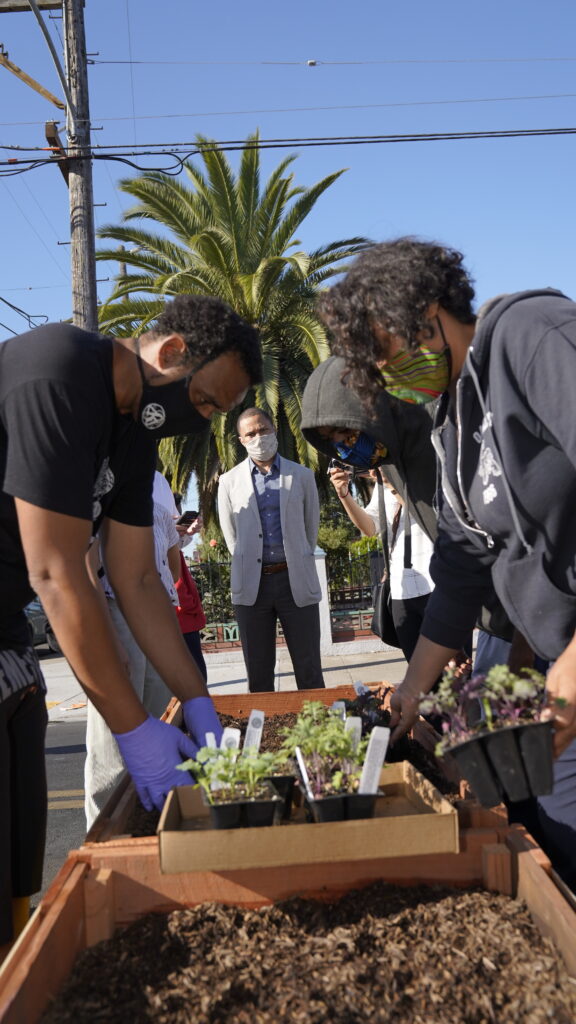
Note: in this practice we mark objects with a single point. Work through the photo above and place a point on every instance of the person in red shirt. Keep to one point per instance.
(189, 610)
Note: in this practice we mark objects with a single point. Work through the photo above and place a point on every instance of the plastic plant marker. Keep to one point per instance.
(353, 725)
(253, 737)
(304, 773)
(211, 740)
(230, 738)
(377, 747)
(360, 689)
(339, 707)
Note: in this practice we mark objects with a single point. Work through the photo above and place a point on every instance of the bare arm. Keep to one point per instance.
(55, 547)
(173, 556)
(426, 664)
(130, 566)
(340, 479)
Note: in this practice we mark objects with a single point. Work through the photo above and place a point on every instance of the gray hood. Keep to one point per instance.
(410, 463)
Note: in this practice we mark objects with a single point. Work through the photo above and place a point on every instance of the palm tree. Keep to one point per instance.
(224, 235)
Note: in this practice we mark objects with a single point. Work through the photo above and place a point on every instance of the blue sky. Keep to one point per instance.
(508, 204)
(389, 68)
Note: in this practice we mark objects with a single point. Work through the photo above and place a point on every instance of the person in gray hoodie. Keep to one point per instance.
(394, 439)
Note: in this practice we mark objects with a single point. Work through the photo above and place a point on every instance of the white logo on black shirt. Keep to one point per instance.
(104, 484)
(153, 416)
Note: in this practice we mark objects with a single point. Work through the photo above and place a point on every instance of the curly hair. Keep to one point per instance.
(392, 284)
(210, 328)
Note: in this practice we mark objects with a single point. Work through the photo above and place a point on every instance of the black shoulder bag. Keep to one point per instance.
(382, 622)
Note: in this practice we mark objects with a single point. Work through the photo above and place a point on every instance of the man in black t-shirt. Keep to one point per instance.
(79, 416)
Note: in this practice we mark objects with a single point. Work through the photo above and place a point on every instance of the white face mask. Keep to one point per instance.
(263, 447)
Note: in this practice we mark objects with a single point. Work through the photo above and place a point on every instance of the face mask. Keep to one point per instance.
(263, 447)
(363, 452)
(166, 410)
(419, 376)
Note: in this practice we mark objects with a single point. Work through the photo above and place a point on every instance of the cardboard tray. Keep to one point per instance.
(112, 821)
(411, 818)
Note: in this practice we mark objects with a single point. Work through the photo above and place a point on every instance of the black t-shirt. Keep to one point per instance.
(63, 447)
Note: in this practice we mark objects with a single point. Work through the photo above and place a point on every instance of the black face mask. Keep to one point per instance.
(166, 410)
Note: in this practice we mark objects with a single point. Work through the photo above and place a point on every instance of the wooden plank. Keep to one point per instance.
(550, 911)
(140, 887)
(99, 907)
(497, 868)
(45, 952)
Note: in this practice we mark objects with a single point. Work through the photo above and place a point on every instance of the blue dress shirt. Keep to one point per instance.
(267, 488)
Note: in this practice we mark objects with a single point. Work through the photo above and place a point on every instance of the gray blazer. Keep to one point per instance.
(299, 518)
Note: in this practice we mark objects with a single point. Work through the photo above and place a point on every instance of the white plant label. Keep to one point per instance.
(339, 708)
(304, 773)
(210, 741)
(354, 726)
(377, 747)
(360, 689)
(230, 739)
(253, 737)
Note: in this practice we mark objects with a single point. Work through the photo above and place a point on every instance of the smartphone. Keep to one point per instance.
(336, 464)
(187, 518)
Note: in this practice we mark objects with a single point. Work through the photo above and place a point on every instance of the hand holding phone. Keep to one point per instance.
(187, 518)
(340, 476)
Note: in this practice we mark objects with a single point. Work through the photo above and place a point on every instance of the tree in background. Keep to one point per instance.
(223, 234)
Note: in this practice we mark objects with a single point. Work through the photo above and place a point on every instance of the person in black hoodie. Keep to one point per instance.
(395, 438)
(506, 442)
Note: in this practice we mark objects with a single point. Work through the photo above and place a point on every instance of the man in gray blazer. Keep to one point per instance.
(269, 512)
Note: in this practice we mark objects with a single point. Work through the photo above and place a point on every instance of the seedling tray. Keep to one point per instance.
(410, 818)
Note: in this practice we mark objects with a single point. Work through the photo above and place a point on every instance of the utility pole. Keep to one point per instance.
(82, 237)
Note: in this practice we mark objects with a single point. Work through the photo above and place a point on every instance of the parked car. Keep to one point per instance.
(41, 631)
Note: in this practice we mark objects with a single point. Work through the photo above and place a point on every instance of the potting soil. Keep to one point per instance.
(382, 954)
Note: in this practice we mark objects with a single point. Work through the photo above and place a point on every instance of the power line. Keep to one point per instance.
(340, 63)
(31, 225)
(238, 145)
(28, 317)
(296, 110)
(131, 62)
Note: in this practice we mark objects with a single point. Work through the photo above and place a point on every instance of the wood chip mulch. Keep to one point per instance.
(383, 954)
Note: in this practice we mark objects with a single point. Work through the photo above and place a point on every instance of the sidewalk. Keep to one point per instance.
(67, 702)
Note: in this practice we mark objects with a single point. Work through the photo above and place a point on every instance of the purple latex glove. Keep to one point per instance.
(200, 717)
(151, 753)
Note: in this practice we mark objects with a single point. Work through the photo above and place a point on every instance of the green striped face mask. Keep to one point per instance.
(419, 376)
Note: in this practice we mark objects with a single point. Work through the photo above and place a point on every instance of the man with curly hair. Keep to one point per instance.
(505, 439)
(79, 418)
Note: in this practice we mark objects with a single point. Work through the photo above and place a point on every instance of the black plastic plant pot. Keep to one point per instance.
(226, 815)
(284, 786)
(475, 768)
(360, 805)
(259, 813)
(328, 808)
(535, 742)
(503, 751)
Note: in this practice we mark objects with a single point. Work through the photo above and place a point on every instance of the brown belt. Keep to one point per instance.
(267, 570)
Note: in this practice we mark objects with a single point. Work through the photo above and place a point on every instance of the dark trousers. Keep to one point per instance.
(408, 616)
(301, 627)
(23, 799)
(194, 645)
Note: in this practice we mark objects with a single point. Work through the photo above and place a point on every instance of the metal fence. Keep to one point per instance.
(351, 580)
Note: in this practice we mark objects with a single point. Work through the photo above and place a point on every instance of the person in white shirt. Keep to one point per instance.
(104, 765)
(409, 586)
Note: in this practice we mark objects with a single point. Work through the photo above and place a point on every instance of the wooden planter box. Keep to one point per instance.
(108, 886)
(113, 880)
